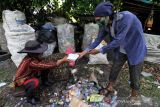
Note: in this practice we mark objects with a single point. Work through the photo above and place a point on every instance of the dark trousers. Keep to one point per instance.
(31, 87)
(134, 70)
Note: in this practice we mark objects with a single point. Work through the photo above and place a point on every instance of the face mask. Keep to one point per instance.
(103, 21)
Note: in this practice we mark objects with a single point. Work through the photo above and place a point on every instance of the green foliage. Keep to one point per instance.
(85, 6)
(76, 8)
(117, 5)
(69, 8)
(26, 6)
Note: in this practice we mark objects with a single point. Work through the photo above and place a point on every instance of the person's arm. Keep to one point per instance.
(61, 61)
(93, 45)
(35, 64)
(119, 38)
(98, 40)
(47, 65)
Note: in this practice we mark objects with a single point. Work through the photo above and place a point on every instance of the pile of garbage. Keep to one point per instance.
(83, 93)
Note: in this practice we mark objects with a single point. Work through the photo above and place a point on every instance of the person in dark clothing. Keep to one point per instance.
(31, 66)
(127, 42)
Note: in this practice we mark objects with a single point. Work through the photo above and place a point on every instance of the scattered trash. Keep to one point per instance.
(21, 102)
(113, 99)
(74, 91)
(93, 77)
(147, 100)
(74, 71)
(95, 98)
(158, 79)
(2, 84)
(75, 102)
(156, 83)
(100, 71)
(53, 105)
(129, 82)
(145, 74)
(83, 93)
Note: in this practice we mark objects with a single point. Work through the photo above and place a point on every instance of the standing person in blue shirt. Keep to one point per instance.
(127, 42)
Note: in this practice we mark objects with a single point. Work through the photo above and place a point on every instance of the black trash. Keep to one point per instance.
(47, 33)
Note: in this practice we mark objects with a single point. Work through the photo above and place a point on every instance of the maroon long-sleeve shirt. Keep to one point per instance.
(30, 66)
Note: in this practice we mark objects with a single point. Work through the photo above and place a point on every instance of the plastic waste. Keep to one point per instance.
(146, 99)
(95, 98)
(77, 103)
(71, 56)
(21, 102)
(93, 77)
(74, 71)
(145, 74)
(54, 105)
(65, 34)
(83, 93)
(2, 84)
(113, 99)
(104, 105)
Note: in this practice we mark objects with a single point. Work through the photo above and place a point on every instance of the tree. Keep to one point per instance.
(70, 9)
(26, 6)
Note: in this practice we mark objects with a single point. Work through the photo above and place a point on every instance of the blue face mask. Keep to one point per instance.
(103, 21)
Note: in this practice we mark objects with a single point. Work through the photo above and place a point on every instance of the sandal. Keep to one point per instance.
(106, 92)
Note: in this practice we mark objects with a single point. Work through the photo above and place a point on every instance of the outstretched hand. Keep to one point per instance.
(81, 54)
(94, 51)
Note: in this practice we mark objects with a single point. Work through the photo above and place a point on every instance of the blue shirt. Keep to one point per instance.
(128, 33)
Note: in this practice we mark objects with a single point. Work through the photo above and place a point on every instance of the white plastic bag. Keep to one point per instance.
(153, 41)
(20, 17)
(15, 20)
(65, 33)
(98, 58)
(153, 50)
(90, 33)
(50, 49)
(16, 35)
(91, 30)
